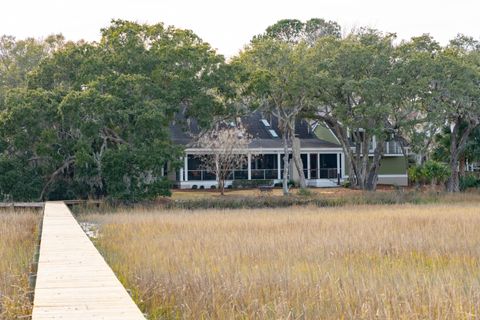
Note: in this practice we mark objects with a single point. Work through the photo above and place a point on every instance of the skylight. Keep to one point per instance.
(265, 123)
(273, 133)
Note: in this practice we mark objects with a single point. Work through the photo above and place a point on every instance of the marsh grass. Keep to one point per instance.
(353, 262)
(17, 242)
(253, 199)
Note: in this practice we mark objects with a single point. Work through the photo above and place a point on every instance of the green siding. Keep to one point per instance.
(390, 165)
(322, 132)
(393, 165)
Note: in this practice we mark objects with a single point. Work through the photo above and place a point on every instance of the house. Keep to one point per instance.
(322, 156)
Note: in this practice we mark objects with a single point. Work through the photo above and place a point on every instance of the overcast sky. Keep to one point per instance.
(228, 25)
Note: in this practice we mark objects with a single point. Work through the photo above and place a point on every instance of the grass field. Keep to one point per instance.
(363, 262)
(17, 240)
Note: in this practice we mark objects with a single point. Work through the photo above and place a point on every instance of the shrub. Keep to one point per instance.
(290, 184)
(435, 172)
(432, 172)
(250, 183)
(468, 182)
(415, 174)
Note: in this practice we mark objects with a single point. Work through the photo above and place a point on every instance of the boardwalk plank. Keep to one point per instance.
(73, 279)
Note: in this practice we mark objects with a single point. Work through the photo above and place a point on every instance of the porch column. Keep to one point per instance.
(338, 163)
(338, 169)
(181, 174)
(279, 166)
(249, 157)
(185, 165)
(318, 165)
(309, 174)
(344, 170)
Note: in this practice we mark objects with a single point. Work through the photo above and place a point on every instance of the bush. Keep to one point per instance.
(435, 172)
(237, 184)
(415, 175)
(432, 172)
(468, 182)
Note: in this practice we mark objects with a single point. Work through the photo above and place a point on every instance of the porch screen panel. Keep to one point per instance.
(304, 157)
(328, 166)
(264, 166)
(240, 173)
(313, 166)
(196, 172)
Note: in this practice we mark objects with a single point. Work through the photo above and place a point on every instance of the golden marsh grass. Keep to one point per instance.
(17, 241)
(362, 262)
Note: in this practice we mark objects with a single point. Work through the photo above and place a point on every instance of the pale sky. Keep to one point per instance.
(228, 25)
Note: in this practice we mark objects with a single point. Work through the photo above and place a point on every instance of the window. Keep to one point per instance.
(265, 123)
(273, 133)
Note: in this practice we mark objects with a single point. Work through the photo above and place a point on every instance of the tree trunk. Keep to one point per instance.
(53, 176)
(222, 187)
(453, 184)
(457, 146)
(462, 166)
(372, 178)
(285, 163)
(298, 160)
(341, 134)
(220, 178)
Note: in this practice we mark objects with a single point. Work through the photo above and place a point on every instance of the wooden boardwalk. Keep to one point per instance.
(73, 280)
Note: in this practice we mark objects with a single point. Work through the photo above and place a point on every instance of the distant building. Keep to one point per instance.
(322, 156)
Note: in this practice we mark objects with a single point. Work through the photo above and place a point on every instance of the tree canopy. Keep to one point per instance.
(92, 119)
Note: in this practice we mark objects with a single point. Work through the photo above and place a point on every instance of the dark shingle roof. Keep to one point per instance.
(183, 131)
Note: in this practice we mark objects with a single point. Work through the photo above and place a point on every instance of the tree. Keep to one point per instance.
(295, 31)
(225, 146)
(354, 81)
(470, 154)
(19, 57)
(413, 121)
(278, 79)
(108, 103)
(457, 88)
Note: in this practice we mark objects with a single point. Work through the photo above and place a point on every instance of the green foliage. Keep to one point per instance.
(129, 178)
(18, 180)
(239, 184)
(295, 31)
(83, 119)
(469, 181)
(94, 119)
(430, 172)
(435, 172)
(415, 174)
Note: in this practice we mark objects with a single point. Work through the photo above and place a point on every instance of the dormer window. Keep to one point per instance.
(265, 122)
(273, 133)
